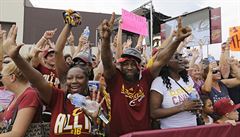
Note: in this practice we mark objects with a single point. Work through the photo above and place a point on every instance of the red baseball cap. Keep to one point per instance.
(45, 53)
(224, 106)
(123, 59)
(120, 60)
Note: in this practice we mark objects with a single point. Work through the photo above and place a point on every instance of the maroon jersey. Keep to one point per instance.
(49, 75)
(69, 123)
(130, 104)
(29, 98)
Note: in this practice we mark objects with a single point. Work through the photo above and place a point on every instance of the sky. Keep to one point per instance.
(230, 9)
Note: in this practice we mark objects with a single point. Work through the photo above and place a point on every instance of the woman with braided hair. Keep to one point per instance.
(171, 97)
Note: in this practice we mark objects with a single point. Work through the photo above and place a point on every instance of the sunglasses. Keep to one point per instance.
(79, 62)
(215, 71)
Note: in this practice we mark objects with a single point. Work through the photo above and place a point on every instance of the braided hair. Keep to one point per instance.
(165, 74)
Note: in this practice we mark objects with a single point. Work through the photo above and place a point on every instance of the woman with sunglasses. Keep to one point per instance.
(25, 108)
(216, 87)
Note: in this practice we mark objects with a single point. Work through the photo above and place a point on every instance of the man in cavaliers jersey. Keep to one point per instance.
(129, 87)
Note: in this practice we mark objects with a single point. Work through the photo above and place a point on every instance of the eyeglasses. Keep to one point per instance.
(215, 71)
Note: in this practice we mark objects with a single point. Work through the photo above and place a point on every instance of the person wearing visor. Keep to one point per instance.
(84, 59)
(128, 86)
(227, 111)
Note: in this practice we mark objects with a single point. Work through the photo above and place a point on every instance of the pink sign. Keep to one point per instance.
(134, 23)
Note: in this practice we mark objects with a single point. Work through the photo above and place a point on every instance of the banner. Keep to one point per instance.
(235, 38)
(198, 21)
(134, 23)
(216, 31)
(213, 130)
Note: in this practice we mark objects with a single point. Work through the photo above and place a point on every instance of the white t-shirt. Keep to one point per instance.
(174, 97)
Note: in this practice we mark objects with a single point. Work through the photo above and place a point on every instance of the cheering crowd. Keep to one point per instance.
(135, 93)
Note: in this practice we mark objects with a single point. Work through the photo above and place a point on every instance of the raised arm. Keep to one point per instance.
(165, 43)
(235, 73)
(34, 53)
(207, 86)
(98, 56)
(195, 56)
(71, 43)
(12, 50)
(105, 30)
(2, 37)
(61, 66)
(139, 45)
(82, 41)
(119, 49)
(164, 55)
(223, 63)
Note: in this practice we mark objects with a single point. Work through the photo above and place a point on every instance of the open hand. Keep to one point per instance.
(195, 52)
(95, 103)
(10, 46)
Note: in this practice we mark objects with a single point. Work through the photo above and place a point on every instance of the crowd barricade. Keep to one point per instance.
(214, 130)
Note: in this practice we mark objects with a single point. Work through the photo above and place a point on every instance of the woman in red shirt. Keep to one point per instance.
(67, 120)
(25, 108)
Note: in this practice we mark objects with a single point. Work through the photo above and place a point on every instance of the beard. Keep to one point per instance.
(131, 78)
